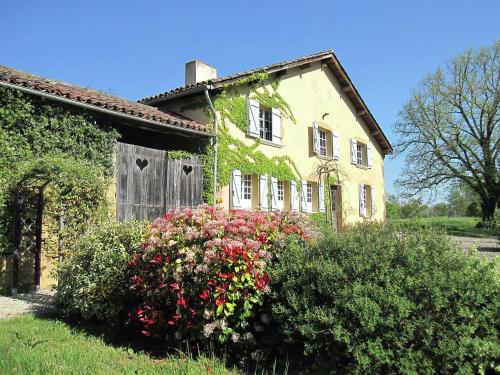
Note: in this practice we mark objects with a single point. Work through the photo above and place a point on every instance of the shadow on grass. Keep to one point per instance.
(126, 337)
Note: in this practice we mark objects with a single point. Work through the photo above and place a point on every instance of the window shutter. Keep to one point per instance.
(373, 195)
(315, 137)
(274, 193)
(303, 195)
(335, 145)
(354, 151)
(263, 192)
(321, 197)
(369, 155)
(362, 200)
(276, 126)
(253, 118)
(294, 197)
(236, 189)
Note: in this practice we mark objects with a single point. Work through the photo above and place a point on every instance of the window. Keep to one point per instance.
(322, 142)
(246, 187)
(266, 124)
(362, 198)
(281, 191)
(361, 153)
(309, 193)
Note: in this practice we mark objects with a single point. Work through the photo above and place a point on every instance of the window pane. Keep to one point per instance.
(322, 142)
(265, 124)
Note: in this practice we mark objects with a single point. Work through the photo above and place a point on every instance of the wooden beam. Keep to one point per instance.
(361, 112)
(347, 88)
(374, 131)
(304, 66)
(282, 72)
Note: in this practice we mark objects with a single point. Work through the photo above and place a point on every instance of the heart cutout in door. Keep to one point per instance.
(187, 169)
(141, 163)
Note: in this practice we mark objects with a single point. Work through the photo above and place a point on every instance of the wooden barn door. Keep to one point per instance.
(148, 184)
(184, 183)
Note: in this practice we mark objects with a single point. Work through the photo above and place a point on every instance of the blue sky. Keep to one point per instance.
(135, 49)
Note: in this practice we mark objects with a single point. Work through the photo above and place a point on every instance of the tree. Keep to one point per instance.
(460, 197)
(449, 129)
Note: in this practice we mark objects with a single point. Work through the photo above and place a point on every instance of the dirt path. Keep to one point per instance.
(487, 246)
(40, 303)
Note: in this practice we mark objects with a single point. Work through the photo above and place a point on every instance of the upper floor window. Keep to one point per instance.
(322, 143)
(361, 154)
(266, 123)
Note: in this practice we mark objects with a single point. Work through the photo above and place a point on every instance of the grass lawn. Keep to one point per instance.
(455, 226)
(29, 345)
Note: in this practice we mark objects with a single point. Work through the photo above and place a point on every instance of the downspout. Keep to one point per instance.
(216, 141)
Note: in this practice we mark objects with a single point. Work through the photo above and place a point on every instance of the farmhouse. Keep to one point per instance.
(294, 135)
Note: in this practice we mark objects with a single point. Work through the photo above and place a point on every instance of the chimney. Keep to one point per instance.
(197, 71)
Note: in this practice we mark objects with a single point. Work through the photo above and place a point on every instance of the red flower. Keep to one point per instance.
(228, 275)
(156, 259)
(205, 295)
(175, 286)
(146, 333)
(219, 301)
(182, 302)
(137, 280)
(211, 282)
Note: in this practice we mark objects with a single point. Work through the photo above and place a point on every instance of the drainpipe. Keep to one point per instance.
(216, 127)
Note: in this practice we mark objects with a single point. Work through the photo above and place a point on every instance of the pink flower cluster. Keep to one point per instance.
(202, 271)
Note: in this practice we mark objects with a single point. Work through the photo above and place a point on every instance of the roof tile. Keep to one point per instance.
(97, 99)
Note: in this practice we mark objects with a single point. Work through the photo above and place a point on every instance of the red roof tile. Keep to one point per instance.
(97, 99)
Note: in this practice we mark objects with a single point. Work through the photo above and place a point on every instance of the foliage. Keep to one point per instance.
(52, 140)
(93, 279)
(75, 188)
(454, 226)
(235, 154)
(35, 127)
(460, 198)
(179, 154)
(374, 299)
(449, 130)
(202, 272)
(30, 345)
(412, 208)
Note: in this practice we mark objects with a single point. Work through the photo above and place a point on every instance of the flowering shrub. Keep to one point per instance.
(202, 271)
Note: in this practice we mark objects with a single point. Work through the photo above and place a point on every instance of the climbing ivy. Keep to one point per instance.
(179, 154)
(231, 104)
(57, 143)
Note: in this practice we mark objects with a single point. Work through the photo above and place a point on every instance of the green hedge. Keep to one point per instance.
(93, 281)
(374, 299)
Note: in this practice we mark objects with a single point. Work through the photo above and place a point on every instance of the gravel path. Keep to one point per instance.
(39, 303)
(489, 247)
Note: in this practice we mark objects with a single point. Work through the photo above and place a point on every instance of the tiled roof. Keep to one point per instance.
(97, 99)
(327, 57)
(233, 77)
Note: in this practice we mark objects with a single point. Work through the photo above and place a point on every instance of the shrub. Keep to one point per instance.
(202, 272)
(374, 299)
(93, 280)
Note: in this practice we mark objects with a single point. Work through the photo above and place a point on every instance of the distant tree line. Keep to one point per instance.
(461, 201)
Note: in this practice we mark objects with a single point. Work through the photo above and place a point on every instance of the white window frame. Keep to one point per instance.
(266, 134)
(246, 191)
(280, 193)
(323, 149)
(309, 194)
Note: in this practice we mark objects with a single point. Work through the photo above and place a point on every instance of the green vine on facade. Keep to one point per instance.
(179, 154)
(236, 154)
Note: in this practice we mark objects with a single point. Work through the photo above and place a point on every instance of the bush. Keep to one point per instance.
(93, 281)
(203, 272)
(374, 299)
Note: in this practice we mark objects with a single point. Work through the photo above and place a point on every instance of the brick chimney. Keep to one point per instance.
(197, 71)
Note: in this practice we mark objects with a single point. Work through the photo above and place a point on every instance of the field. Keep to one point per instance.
(454, 226)
(29, 345)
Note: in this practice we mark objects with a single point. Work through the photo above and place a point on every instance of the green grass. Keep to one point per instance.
(29, 345)
(455, 226)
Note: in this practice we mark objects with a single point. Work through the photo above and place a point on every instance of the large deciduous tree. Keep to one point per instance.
(449, 129)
